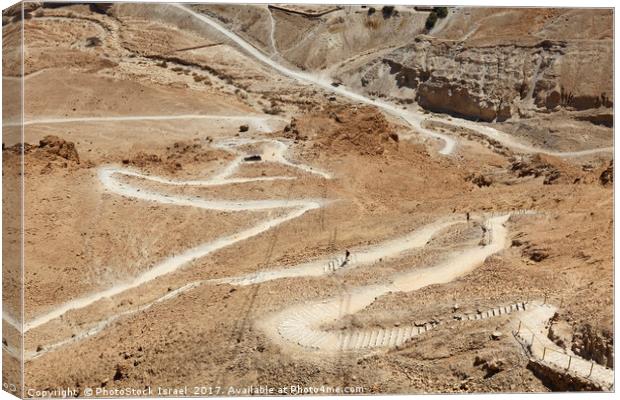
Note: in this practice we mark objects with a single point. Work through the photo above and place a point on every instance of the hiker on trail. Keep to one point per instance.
(467, 216)
(347, 254)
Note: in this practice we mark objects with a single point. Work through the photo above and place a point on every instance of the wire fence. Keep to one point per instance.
(560, 359)
(537, 348)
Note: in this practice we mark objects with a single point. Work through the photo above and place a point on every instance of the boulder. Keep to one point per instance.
(479, 180)
(536, 254)
(60, 147)
(490, 367)
(607, 176)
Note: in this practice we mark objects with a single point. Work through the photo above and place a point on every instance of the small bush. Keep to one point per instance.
(387, 11)
(431, 20)
(371, 11)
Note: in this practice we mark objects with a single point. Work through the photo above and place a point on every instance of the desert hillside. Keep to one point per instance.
(309, 196)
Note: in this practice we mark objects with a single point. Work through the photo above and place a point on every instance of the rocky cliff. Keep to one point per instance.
(490, 77)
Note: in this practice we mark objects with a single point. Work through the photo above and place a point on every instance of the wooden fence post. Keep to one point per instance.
(591, 367)
(544, 352)
(570, 358)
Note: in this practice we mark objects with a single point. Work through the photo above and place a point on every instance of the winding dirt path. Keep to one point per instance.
(509, 141)
(108, 177)
(273, 151)
(272, 32)
(363, 256)
(320, 267)
(413, 118)
(300, 325)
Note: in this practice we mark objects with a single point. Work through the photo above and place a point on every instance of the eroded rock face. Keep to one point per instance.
(553, 169)
(558, 380)
(491, 83)
(595, 345)
(584, 340)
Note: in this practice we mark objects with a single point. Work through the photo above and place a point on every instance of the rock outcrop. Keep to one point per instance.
(553, 169)
(56, 146)
(595, 345)
(490, 367)
(342, 130)
(478, 68)
(492, 83)
(607, 176)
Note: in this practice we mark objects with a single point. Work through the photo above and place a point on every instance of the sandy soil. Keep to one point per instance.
(335, 174)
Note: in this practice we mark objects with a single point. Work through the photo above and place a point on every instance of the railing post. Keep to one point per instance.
(519, 328)
(545, 301)
(591, 368)
(570, 358)
(544, 352)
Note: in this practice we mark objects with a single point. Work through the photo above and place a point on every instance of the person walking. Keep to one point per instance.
(347, 255)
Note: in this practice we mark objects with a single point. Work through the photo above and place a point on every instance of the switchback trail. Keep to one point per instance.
(301, 324)
(108, 177)
(413, 118)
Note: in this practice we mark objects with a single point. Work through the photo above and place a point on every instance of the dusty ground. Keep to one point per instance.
(82, 238)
